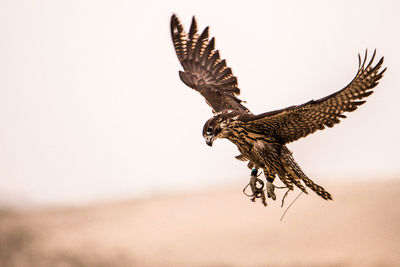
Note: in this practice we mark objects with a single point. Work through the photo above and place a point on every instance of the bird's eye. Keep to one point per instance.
(209, 130)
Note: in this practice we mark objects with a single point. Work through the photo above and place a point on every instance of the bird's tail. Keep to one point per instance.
(295, 175)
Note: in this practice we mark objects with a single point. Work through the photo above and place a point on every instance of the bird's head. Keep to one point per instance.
(214, 127)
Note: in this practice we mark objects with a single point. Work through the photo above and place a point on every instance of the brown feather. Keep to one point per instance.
(204, 71)
(294, 122)
(261, 138)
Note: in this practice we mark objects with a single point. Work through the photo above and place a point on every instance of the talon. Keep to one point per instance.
(257, 188)
(270, 187)
(270, 190)
(256, 185)
(257, 191)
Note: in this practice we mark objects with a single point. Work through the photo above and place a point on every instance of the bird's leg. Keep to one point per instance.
(257, 189)
(270, 186)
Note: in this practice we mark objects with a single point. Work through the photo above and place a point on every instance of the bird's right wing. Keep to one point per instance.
(204, 71)
(294, 122)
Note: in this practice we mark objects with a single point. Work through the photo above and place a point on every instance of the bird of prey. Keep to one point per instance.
(261, 139)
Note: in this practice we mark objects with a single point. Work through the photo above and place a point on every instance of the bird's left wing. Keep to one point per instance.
(204, 71)
(294, 122)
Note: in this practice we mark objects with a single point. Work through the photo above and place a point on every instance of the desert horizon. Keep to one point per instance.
(217, 227)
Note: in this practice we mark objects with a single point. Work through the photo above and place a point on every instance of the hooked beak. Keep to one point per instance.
(209, 140)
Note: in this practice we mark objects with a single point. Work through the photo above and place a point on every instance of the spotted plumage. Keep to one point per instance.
(261, 139)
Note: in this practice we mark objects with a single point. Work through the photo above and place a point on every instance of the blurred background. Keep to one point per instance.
(92, 111)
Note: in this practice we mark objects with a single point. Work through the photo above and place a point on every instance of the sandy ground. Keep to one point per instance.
(361, 227)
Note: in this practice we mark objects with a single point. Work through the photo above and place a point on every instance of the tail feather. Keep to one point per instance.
(296, 174)
(317, 188)
(297, 183)
(286, 180)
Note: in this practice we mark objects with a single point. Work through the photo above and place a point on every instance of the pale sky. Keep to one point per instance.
(92, 108)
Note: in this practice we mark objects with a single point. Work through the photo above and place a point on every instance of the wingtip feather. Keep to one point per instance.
(193, 28)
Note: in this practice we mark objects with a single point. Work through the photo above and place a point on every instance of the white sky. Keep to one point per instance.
(91, 105)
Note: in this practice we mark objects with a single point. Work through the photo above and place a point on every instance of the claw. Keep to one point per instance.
(270, 190)
(257, 188)
(253, 185)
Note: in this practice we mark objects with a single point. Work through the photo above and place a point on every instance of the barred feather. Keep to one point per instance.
(297, 174)
(261, 139)
(204, 71)
(294, 122)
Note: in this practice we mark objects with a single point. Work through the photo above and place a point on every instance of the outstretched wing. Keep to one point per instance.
(204, 71)
(294, 122)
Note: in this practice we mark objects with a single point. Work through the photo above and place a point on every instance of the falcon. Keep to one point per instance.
(261, 139)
